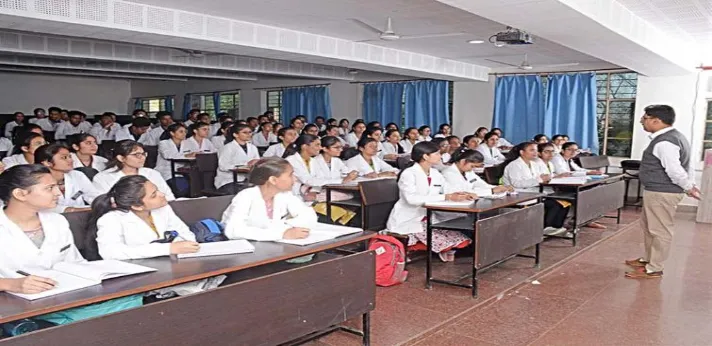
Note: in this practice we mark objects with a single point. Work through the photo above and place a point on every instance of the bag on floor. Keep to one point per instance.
(208, 231)
(390, 260)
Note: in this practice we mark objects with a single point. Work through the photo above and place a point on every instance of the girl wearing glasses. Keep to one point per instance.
(367, 163)
(77, 190)
(564, 163)
(238, 151)
(129, 158)
(24, 152)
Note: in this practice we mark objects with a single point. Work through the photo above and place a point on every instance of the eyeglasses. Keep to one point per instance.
(548, 151)
(246, 132)
(139, 155)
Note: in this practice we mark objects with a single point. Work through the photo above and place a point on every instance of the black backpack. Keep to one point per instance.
(208, 231)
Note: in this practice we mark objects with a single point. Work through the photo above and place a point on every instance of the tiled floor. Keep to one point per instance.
(580, 297)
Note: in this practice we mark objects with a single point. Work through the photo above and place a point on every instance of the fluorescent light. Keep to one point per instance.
(475, 41)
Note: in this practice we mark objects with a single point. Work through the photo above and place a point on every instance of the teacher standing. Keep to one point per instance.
(663, 173)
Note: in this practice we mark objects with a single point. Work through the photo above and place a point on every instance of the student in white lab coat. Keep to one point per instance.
(286, 136)
(344, 128)
(131, 221)
(24, 152)
(106, 129)
(559, 141)
(356, 133)
(564, 163)
(269, 211)
(18, 120)
(137, 130)
(137, 113)
(238, 152)
(165, 119)
(541, 139)
(424, 133)
(410, 139)
(74, 126)
(198, 139)
(460, 175)
(333, 131)
(470, 142)
(391, 147)
(77, 190)
(376, 133)
(480, 133)
(218, 139)
(34, 238)
(524, 173)
(265, 137)
(311, 129)
(444, 146)
(501, 142)
(84, 148)
(192, 117)
(6, 145)
(129, 158)
(173, 148)
(418, 185)
(328, 167)
(444, 131)
(367, 162)
(489, 150)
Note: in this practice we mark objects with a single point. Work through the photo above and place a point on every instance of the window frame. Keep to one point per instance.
(276, 109)
(206, 98)
(608, 99)
(146, 104)
(707, 122)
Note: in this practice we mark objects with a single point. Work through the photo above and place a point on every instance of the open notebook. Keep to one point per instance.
(322, 232)
(219, 248)
(74, 276)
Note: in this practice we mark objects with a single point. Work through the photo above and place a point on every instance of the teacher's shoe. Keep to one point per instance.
(641, 273)
(636, 263)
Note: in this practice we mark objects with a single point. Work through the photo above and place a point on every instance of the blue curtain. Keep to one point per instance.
(571, 108)
(216, 103)
(138, 103)
(168, 103)
(519, 107)
(308, 101)
(426, 103)
(186, 105)
(383, 102)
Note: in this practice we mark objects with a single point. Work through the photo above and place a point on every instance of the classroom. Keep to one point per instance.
(335, 173)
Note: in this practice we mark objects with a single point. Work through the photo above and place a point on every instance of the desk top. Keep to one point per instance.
(482, 205)
(242, 169)
(171, 271)
(612, 177)
(353, 186)
(182, 160)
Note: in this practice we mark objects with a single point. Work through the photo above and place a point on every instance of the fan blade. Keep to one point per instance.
(563, 65)
(412, 37)
(503, 63)
(367, 26)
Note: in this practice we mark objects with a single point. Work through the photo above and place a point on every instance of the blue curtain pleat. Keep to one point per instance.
(186, 106)
(308, 101)
(426, 103)
(571, 108)
(168, 103)
(383, 102)
(216, 102)
(519, 107)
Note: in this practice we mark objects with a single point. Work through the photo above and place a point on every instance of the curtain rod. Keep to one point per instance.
(392, 81)
(211, 92)
(562, 72)
(290, 87)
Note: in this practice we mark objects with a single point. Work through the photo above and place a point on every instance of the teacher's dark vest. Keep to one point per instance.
(652, 173)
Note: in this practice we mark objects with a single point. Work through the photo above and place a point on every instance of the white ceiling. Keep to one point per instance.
(410, 17)
(692, 18)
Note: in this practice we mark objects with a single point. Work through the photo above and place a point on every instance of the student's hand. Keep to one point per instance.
(545, 178)
(310, 196)
(30, 284)
(190, 155)
(695, 193)
(252, 162)
(594, 172)
(371, 175)
(387, 174)
(350, 177)
(564, 175)
(501, 189)
(458, 197)
(296, 233)
(181, 247)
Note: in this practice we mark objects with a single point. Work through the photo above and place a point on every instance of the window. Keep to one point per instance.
(229, 103)
(616, 112)
(274, 102)
(155, 104)
(450, 95)
(707, 139)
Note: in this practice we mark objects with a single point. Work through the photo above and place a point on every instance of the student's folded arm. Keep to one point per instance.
(111, 243)
(409, 192)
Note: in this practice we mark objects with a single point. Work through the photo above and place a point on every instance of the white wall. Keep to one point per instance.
(473, 106)
(25, 92)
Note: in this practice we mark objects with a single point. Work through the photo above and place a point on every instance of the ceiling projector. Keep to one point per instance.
(513, 36)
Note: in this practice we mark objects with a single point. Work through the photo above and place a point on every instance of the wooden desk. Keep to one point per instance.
(319, 295)
(239, 170)
(173, 170)
(591, 200)
(498, 234)
(374, 197)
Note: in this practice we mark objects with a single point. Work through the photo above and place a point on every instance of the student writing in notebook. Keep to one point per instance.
(269, 210)
(34, 239)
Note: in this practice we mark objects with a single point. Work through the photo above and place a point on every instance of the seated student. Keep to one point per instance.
(311, 129)
(24, 152)
(34, 238)
(373, 125)
(392, 147)
(138, 130)
(564, 162)
(74, 126)
(131, 220)
(198, 139)
(490, 151)
(522, 171)
(77, 190)
(297, 123)
(106, 128)
(192, 117)
(265, 137)
(285, 137)
(541, 138)
(444, 146)
(84, 148)
(173, 148)
(269, 210)
(411, 136)
(418, 185)
(455, 144)
(238, 152)
(424, 133)
(501, 142)
(444, 131)
(376, 133)
(392, 126)
(18, 119)
(357, 130)
(460, 175)
(480, 134)
(137, 113)
(219, 138)
(129, 158)
(559, 141)
(215, 127)
(5, 145)
(344, 128)
(334, 132)
(367, 162)
(165, 119)
(471, 142)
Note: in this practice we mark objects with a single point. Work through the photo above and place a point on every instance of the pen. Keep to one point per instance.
(23, 273)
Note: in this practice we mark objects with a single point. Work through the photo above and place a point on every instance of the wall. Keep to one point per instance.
(473, 106)
(25, 92)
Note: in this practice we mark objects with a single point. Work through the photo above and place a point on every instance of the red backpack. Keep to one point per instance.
(390, 260)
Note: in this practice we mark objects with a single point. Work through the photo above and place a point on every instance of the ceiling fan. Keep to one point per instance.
(388, 34)
(524, 65)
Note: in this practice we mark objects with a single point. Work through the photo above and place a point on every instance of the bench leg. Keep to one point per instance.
(537, 253)
(366, 329)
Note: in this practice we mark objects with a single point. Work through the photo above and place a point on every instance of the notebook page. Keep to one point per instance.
(102, 270)
(219, 248)
(65, 283)
(322, 232)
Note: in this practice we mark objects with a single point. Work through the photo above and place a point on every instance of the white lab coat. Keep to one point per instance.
(214, 128)
(561, 166)
(389, 148)
(275, 150)
(14, 160)
(67, 129)
(246, 217)
(192, 146)
(522, 177)
(504, 143)
(231, 156)
(407, 145)
(97, 162)
(304, 175)
(414, 192)
(6, 145)
(358, 163)
(103, 181)
(427, 139)
(125, 134)
(10, 126)
(330, 175)
(352, 140)
(154, 136)
(124, 236)
(20, 253)
(79, 192)
(470, 182)
(44, 123)
(259, 140)
(101, 134)
(168, 150)
(492, 155)
(218, 142)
